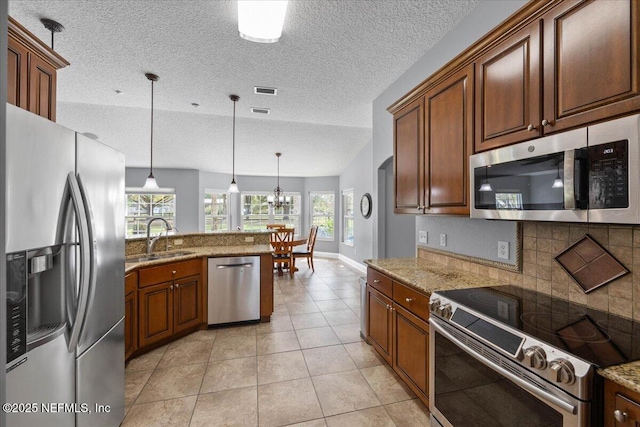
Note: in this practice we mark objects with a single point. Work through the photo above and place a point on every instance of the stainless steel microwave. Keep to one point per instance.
(590, 174)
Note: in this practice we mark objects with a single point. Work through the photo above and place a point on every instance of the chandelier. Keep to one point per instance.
(278, 199)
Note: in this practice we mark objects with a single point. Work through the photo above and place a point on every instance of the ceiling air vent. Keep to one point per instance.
(260, 110)
(265, 90)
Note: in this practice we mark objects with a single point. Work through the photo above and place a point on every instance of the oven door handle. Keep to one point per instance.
(530, 388)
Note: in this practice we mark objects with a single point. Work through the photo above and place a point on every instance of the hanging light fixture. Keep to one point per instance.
(151, 181)
(485, 186)
(278, 199)
(233, 188)
(261, 21)
(558, 182)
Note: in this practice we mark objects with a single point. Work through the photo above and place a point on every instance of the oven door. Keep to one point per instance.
(488, 389)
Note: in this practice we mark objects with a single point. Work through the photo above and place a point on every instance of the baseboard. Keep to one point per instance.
(325, 254)
(352, 263)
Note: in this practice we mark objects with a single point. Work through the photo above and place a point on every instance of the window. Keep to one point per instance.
(347, 217)
(323, 213)
(256, 213)
(216, 217)
(142, 207)
(511, 201)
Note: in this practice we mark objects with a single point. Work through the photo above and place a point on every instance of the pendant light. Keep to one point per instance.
(151, 181)
(233, 188)
(558, 182)
(485, 186)
(278, 199)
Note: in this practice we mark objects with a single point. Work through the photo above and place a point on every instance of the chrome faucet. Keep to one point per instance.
(151, 241)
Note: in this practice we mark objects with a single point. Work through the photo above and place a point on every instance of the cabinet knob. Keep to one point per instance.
(531, 128)
(171, 287)
(174, 272)
(409, 299)
(388, 307)
(376, 281)
(418, 207)
(177, 285)
(545, 122)
(621, 417)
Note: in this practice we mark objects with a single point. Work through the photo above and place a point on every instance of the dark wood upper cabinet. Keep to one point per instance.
(449, 142)
(591, 63)
(508, 90)
(32, 72)
(409, 158)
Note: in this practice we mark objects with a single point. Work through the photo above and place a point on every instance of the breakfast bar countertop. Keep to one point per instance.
(198, 252)
(426, 277)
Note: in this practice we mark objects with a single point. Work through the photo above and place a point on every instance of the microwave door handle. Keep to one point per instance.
(522, 383)
(569, 179)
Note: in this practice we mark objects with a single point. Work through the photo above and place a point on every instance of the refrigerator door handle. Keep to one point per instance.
(92, 246)
(85, 260)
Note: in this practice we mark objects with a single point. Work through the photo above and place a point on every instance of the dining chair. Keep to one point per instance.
(276, 226)
(281, 241)
(308, 253)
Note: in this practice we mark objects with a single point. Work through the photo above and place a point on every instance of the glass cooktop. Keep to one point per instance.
(597, 337)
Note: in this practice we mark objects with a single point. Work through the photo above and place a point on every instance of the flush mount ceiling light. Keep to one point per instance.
(233, 188)
(485, 186)
(558, 182)
(261, 21)
(151, 181)
(278, 199)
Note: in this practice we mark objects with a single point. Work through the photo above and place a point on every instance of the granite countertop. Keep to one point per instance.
(427, 277)
(199, 252)
(627, 375)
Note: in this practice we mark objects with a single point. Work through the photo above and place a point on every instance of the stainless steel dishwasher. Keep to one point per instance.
(234, 289)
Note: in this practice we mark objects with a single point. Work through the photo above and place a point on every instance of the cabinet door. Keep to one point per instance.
(186, 300)
(156, 313)
(621, 406)
(408, 158)
(449, 136)
(42, 88)
(17, 63)
(508, 91)
(380, 322)
(130, 323)
(411, 351)
(591, 64)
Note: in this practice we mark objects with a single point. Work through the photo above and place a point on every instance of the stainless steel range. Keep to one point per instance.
(508, 356)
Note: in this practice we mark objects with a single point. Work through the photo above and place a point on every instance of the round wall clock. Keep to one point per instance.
(366, 205)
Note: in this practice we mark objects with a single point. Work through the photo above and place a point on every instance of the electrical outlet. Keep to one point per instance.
(503, 250)
(422, 237)
(355, 251)
(177, 242)
(248, 239)
(443, 239)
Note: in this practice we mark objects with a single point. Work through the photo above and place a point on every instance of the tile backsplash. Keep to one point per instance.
(542, 241)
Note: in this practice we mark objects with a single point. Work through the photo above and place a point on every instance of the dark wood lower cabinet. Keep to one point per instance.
(621, 406)
(156, 313)
(411, 350)
(130, 322)
(186, 298)
(379, 323)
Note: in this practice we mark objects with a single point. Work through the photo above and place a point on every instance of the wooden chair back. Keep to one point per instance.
(276, 226)
(312, 238)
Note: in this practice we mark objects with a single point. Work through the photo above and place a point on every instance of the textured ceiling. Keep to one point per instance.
(333, 60)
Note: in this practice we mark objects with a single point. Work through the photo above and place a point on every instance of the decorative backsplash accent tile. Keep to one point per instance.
(589, 264)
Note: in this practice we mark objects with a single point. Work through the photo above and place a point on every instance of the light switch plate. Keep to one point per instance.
(422, 237)
(503, 250)
(443, 240)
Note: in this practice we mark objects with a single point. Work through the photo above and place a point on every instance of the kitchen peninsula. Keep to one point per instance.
(166, 291)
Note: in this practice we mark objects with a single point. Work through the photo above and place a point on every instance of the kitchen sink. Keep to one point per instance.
(157, 256)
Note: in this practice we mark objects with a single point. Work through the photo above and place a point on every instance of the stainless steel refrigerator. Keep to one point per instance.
(65, 276)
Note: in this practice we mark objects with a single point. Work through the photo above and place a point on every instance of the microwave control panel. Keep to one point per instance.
(16, 305)
(609, 175)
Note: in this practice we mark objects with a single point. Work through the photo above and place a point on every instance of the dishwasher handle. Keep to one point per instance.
(244, 264)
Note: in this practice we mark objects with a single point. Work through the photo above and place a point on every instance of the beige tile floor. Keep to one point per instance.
(307, 367)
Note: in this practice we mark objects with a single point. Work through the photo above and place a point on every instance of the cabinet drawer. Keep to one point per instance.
(168, 272)
(130, 282)
(379, 281)
(628, 407)
(413, 301)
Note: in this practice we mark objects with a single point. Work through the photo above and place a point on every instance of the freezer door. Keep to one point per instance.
(100, 381)
(46, 378)
(40, 154)
(100, 173)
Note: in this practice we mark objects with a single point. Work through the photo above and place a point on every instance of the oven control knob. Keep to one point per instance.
(434, 305)
(445, 311)
(535, 357)
(562, 371)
